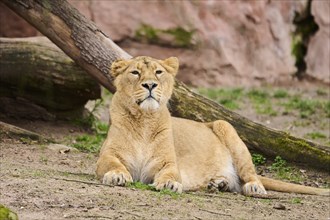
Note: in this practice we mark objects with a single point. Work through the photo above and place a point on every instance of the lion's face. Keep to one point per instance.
(145, 82)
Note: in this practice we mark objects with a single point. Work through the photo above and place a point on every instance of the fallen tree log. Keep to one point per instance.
(36, 70)
(80, 39)
(11, 131)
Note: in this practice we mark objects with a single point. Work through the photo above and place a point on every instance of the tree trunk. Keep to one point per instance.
(36, 70)
(80, 39)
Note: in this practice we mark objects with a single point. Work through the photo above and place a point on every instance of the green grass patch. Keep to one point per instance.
(258, 159)
(283, 171)
(180, 36)
(296, 201)
(258, 96)
(315, 135)
(141, 186)
(164, 192)
(7, 214)
(226, 97)
(280, 93)
(326, 107)
(89, 143)
(261, 102)
(167, 192)
(322, 92)
(306, 107)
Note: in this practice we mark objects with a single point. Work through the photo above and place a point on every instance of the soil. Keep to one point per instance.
(39, 181)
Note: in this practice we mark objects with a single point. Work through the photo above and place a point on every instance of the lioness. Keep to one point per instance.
(146, 144)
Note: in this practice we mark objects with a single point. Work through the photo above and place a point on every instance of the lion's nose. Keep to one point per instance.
(149, 85)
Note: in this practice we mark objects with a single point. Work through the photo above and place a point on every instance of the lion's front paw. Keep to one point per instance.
(169, 184)
(219, 184)
(253, 187)
(116, 178)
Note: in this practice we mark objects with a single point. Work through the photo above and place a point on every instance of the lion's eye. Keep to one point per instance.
(159, 72)
(135, 72)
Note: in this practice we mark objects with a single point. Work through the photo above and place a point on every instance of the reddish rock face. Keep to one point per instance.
(11, 25)
(318, 53)
(222, 42)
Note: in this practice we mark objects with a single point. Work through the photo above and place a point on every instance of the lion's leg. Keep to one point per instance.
(240, 155)
(111, 171)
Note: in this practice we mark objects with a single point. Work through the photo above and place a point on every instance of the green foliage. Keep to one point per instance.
(89, 120)
(258, 96)
(321, 92)
(7, 214)
(170, 193)
(261, 102)
(92, 143)
(181, 37)
(147, 32)
(305, 106)
(280, 93)
(326, 107)
(283, 171)
(315, 135)
(227, 97)
(141, 186)
(296, 201)
(89, 143)
(272, 102)
(279, 163)
(258, 159)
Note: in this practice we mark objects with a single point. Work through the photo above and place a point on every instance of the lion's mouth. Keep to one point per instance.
(147, 98)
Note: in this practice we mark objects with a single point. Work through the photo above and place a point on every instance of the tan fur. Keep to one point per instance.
(146, 144)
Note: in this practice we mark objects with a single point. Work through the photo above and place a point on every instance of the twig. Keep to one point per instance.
(210, 195)
(90, 216)
(82, 181)
(134, 214)
(257, 196)
(212, 212)
(265, 196)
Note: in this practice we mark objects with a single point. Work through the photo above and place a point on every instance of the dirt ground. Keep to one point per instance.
(39, 181)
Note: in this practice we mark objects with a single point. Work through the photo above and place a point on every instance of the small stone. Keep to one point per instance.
(61, 148)
(279, 206)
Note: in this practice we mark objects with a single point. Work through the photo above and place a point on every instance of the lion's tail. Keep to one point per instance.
(277, 185)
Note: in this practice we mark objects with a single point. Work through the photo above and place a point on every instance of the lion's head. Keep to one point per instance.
(145, 82)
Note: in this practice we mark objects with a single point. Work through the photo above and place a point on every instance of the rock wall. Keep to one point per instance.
(318, 53)
(219, 43)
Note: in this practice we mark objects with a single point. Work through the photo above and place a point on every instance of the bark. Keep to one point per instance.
(35, 69)
(94, 51)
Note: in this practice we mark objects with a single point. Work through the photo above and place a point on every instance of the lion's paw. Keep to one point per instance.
(169, 184)
(116, 178)
(219, 184)
(253, 187)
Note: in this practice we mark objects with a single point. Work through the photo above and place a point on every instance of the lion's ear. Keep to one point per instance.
(118, 66)
(171, 65)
